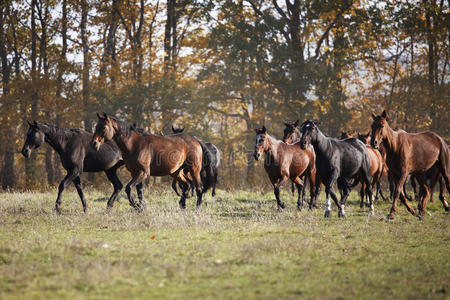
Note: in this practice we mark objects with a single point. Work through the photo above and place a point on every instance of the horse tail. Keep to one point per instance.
(207, 171)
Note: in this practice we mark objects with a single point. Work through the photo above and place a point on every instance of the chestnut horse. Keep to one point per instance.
(378, 168)
(147, 154)
(411, 153)
(282, 162)
(291, 135)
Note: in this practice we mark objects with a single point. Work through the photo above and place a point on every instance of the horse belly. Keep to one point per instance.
(163, 165)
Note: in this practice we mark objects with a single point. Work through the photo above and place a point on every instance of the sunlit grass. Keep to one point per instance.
(238, 246)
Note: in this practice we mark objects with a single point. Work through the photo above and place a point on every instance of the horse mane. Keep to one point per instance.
(125, 128)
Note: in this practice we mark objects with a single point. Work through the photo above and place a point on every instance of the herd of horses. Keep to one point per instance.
(305, 156)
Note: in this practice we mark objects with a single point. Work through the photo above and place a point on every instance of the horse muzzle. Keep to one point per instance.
(26, 152)
(257, 155)
(95, 145)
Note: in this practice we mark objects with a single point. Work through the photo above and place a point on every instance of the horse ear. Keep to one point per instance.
(105, 115)
(316, 122)
(385, 115)
(374, 117)
(296, 123)
(99, 116)
(257, 130)
(29, 123)
(173, 128)
(286, 124)
(264, 129)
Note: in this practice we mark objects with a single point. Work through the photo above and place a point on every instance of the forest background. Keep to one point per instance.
(219, 69)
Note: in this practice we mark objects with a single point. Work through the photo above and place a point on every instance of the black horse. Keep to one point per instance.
(337, 161)
(210, 165)
(77, 156)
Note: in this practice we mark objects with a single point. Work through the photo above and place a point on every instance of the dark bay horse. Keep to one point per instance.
(210, 165)
(282, 162)
(411, 153)
(147, 154)
(337, 161)
(291, 135)
(76, 156)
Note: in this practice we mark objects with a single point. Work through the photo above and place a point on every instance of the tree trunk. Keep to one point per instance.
(31, 164)
(86, 66)
(7, 174)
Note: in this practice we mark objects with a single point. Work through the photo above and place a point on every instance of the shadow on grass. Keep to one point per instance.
(106, 198)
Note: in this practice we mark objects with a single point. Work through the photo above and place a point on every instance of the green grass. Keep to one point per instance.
(238, 246)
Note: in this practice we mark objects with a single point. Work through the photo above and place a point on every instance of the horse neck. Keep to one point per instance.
(390, 142)
(123, 142)
(320, 142)
(272, 146)
(54, 138)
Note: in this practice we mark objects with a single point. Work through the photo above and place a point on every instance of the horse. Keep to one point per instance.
(337, 161)
(210, 165)
(377, 168)
(76, 156)
(147, 155)
(349, 134)
(291, 135)
(282, 162)
(411, 153)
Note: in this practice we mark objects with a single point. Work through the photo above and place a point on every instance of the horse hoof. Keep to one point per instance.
(371, 213)
(447, 208)
(341, 214)
(281, 205)
(327, 214)
(390, 217)
(57, 211)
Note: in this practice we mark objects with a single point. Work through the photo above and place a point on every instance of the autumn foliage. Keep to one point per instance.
(218, 69)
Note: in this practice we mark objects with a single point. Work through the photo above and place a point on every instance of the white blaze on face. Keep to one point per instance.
(258, 139)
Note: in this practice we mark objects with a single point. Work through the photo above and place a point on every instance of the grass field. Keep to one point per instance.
(238, 246)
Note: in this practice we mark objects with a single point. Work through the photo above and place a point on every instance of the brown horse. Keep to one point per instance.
(282, 162)
(377, 168)
(147, 154)
(411, 153)
(348, 134)
(292, 135)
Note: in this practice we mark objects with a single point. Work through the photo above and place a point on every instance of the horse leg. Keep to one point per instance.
(195, 175)
(335, 199)
(139, 191)
(399, 193)
(300, 188)
(213, 193)
(62, 185)
(391, 186)
(276, 191)
(441, 193)
(369, 189)
(312, 189)
(362, 194)
(135, 180)
(303, 188)
(112, 176)
(424, 193)
(343, 186)
(77, 182)
(174, 187)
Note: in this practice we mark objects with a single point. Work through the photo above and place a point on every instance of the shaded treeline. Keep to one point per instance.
(217, 68)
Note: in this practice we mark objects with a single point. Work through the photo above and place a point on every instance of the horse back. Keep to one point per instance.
(418, 151)
(78, 149)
